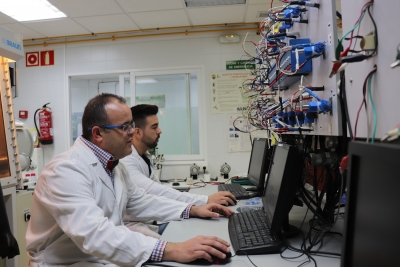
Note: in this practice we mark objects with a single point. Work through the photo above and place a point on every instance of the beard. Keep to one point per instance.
(150, 143)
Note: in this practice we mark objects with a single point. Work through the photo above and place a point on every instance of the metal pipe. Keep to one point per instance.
(140, 31)
(113, 38)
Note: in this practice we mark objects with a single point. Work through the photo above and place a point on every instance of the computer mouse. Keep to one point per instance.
(229, 204)
(175, 184)
(217, 260)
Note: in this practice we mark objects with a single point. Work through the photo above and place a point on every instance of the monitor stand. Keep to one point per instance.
(289, 230)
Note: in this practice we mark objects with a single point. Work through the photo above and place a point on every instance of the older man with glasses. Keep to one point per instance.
(83, 193)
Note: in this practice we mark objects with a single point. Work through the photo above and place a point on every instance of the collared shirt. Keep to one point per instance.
(103, 157)
(158, 250)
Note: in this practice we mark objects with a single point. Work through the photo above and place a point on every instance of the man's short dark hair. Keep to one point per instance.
(95, 113)
(141, 112)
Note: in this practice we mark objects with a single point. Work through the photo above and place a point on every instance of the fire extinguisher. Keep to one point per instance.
(46, 128)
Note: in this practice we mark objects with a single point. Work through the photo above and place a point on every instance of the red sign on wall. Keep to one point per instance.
(42, 58)
(32, 59)
(47, 58)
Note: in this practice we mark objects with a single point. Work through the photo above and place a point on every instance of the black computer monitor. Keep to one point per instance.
(259, 162)
(283, 181)
(372, 216)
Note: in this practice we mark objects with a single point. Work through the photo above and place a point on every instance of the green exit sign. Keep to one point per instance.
(240, 65)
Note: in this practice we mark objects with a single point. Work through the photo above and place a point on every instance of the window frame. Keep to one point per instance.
(198, 70)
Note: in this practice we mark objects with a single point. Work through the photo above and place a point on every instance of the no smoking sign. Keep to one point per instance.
(32, 59)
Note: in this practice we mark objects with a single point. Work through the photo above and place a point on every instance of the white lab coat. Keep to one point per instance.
(139, 173)
(77, 214)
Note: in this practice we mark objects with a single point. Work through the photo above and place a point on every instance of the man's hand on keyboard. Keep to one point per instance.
(210, 211)
(223, 197)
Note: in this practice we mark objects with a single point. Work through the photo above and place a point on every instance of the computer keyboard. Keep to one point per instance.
(250, 235)
(236, 189)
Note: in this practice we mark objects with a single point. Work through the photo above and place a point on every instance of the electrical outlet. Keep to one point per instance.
(330, 39)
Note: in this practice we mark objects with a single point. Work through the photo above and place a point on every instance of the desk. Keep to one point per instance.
(183, 186)
(179, 231)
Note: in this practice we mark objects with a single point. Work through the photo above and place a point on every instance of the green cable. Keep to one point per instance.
(373, 107)
(337, 51)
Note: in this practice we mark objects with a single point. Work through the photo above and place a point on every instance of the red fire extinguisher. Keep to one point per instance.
(46, 127)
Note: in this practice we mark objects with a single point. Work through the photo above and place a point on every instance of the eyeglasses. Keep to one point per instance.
(124, 127)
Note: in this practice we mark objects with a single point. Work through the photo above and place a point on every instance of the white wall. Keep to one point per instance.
(39, 85)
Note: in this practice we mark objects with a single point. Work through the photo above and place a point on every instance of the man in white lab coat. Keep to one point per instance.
(140, 164)
(83, 193)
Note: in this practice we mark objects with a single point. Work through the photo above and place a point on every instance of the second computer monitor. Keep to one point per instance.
(259, 162)
(283, 180)
(371, 233)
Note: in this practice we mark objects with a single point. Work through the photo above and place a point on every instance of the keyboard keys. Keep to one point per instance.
(236, 189)
(250, 235)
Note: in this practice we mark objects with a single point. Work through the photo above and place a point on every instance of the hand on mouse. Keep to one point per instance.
(200, 247)
(223, 197)
(210, 211)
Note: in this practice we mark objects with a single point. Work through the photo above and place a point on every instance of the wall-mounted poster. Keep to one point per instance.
(226, 96)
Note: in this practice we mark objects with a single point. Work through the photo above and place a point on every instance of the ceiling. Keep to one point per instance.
(92, 17)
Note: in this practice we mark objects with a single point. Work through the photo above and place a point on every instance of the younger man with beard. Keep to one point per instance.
(140, 165)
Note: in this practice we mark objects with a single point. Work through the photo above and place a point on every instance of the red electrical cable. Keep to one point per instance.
(364, 102)
(362, 10)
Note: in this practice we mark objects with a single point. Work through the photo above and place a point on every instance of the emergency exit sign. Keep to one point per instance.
(240, 65)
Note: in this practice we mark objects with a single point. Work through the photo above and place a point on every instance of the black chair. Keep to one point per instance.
(8, 245)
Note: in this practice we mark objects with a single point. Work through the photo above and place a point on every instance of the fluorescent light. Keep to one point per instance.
(197, 3)
(145, 80)
(29, 10)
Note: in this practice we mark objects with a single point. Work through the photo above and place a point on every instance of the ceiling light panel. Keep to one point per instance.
(135, 6)
(87, 8)
(30, 10)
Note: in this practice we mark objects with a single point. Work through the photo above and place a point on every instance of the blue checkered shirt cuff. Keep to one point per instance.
(158, 251)
(186, 212)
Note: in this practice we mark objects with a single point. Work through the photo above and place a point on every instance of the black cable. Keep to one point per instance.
(248, 258)
(311, 207)
(376, 32)
(324, 252)
(343, 121)
(301, 251)
(301, 225)
(34, 120)
(344, 94)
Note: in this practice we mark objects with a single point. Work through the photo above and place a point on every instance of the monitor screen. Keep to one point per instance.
(283, 180)
(372, 206)
(259, 162)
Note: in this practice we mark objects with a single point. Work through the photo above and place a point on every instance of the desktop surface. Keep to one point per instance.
(179, 231)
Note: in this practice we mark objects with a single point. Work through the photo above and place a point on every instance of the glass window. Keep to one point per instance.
(175, 92)
(177, 97)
